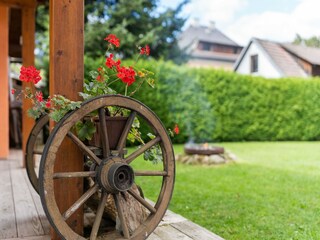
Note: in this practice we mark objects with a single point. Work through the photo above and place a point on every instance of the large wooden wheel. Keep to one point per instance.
(34, 150)
(115, 175)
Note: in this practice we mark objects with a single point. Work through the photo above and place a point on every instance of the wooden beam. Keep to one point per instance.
(28, 45)
(4, 68)
(66, 78)
(19, 3)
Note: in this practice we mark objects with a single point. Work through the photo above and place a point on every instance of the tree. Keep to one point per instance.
(313, 41)
(137, 22)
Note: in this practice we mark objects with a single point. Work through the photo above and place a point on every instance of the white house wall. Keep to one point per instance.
(265, 66)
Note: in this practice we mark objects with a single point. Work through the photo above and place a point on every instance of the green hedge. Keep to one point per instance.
(213, 105)
(254, 108)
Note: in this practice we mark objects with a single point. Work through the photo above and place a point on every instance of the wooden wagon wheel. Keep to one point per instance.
(114, 175)
(32, 150)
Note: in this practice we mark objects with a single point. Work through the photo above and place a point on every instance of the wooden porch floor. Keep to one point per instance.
(22, 216)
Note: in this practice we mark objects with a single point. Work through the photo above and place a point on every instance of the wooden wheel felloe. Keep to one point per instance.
(114, 175)
(33, 150)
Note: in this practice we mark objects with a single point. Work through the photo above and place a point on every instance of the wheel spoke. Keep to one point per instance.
(123, 138)
(142, 201)
(121, 216)
(74, 174)
(97, 221)
(150, 173)
(142, 149)
(80, 201)
(84, 148)
(104, 133)
(37, 152)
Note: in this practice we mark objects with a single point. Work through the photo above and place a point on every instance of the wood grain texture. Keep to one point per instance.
(44, 237)
(66, 78)
(28, 45)
(4, 95)
(7, 216)
(168, 232)
(28, 222)
(19, 3)
(37, 202)
(195, 231)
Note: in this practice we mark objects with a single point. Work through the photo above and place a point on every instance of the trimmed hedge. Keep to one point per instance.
(213, 105)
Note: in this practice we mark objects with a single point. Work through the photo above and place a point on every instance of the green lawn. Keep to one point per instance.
(271, 192)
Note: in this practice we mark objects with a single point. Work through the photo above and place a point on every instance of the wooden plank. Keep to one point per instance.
(28, 45)
(28, 222)
(37, 202)
(171, 217)
(168, 232)
(195, 231)
(153, 236)
(4, 95)
(19, 3)
(44, 237)
(7, 217)
(66, 75)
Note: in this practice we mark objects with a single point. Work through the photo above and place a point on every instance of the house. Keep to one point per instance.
(206, 46)
(273, 60)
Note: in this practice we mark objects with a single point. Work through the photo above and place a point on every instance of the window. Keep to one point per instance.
(204, 46)
(254, 63)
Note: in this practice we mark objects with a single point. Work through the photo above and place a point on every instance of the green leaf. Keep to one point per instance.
(34, 113)
(57, 114)
(85, 130)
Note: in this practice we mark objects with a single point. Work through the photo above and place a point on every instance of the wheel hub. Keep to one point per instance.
(114, 175)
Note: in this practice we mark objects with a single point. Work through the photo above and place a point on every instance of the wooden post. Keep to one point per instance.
(4, 68)
(66, 78)
(28, 45)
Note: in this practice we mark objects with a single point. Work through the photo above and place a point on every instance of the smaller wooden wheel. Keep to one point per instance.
(33, 150)
(117, 179)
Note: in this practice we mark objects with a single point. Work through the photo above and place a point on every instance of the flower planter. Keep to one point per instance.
(115, 126)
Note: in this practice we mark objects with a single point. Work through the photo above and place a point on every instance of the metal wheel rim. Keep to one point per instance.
(61, 130)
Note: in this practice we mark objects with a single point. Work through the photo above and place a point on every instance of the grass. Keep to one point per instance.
(271, 192)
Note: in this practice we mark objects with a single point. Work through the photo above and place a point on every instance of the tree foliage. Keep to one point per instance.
(313, 41)
(137, 23)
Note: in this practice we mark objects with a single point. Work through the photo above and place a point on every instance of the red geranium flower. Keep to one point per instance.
(99, 78)
(13, 91)
(111, 38)
(39, 96)
(110, 62)
(30, 74)
(176, 129)
(145, 50)
(126, 74)
(48, 103)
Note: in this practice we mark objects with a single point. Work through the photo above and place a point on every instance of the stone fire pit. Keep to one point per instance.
(205, 154)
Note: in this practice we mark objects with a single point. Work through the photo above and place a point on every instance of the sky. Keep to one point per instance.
(240, 20)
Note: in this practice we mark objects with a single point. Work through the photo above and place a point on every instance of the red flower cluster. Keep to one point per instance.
(39, 96)
(13, 91)
(126, 74)
(111, 38)
(145, 50)
(48, 103)
(176, 129)
(110, 62)
(30, 74)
